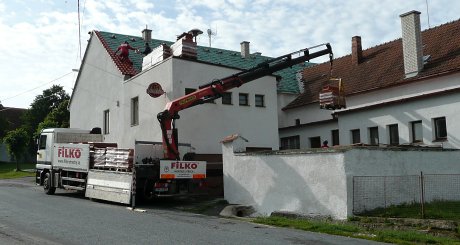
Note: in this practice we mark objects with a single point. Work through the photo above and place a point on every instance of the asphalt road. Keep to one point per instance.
(28, 216)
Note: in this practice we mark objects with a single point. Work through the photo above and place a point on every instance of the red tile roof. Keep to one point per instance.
(383, 65)
(124, 67)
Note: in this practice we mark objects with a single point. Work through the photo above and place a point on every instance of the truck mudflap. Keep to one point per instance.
(111, 186)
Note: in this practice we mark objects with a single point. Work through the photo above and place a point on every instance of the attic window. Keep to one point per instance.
(113, 36)
(219, 51)
(133, 39)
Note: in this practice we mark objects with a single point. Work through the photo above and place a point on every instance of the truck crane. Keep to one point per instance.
(213, 90)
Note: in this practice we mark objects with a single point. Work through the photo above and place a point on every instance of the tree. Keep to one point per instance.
(4, 124)
(58, 118)
(16, 142)
(42, 105)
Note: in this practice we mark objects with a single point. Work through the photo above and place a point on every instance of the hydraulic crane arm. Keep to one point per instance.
(214, 90)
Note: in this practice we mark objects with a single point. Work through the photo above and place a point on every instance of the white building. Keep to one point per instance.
(112, 95)
(406, 91)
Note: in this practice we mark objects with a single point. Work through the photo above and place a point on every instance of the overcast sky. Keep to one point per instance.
(41, 45)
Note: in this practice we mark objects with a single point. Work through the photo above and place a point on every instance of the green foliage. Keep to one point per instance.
(4, 124)
(351, 230)
(437, 209)
(16, 142)
(57, 118)
(7, 170)
(49, 101)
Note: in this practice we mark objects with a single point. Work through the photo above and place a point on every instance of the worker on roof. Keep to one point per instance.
(147, 49)
(124, 54)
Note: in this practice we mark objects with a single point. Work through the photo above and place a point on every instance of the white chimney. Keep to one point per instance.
(245, 49)
(412, 43)
(147, 35)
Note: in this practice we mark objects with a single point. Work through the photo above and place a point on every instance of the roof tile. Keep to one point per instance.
(383, 65)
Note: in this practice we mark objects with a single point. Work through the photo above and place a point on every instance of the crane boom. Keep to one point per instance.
(213, 90)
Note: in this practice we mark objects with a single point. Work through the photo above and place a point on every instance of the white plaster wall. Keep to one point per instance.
(403, 114)
(101, 87)
(321, 182)
(403, 91)
(307, 114)
(323, 130)
(98, 89)
(312, 184)
(204, 126)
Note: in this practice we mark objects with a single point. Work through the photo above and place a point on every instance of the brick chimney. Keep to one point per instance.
(412, 43)
(147, 35)
(245, 49)
(356, 50)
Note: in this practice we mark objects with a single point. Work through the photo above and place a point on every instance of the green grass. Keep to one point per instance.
(449, 210)
(7, 170)
(352, 230)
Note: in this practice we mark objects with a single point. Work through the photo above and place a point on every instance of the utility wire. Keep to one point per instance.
(37, 86)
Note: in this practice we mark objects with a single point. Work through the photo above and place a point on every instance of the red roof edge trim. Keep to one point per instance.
(125, 69)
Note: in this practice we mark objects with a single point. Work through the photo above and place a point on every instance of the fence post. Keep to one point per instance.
(422, 194)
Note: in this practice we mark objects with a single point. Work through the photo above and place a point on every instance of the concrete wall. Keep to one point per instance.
(319, 182)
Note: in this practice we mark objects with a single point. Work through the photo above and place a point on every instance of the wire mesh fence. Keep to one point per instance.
(424, 195)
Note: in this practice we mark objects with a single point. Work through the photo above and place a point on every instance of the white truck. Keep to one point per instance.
(77, 159)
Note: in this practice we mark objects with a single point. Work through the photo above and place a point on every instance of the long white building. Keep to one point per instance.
(403, 92)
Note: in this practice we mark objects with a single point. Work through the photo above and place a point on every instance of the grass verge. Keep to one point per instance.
(447, 210)
(356, 231)
(7, 170)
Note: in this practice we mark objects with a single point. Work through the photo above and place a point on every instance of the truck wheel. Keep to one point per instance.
(47, 185)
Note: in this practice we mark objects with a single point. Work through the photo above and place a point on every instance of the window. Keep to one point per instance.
(134, 111)
(394, 134)
(440, 129)
(355, 136)
(243, 99)
(297, 122)
(227, 98)
(259, 100)
(106, 121)
(417, 136)
(189, 90)
(335, 137)
(373, 135)
(42, 142)
(292, 142)
(315, 142)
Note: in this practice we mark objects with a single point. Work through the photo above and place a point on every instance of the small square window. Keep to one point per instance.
(189, 90)
(134, 111)
(227, 98)
(259, 100)
(243, 99)
(315, 142)
(394, 134)
(374, 135)
(106, 122)
(417, 132)
(291, 142)
(335, 137)
(297, 122)
(440, 128)
(355, 136)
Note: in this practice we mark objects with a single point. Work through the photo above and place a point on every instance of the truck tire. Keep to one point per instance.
(47, 185)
